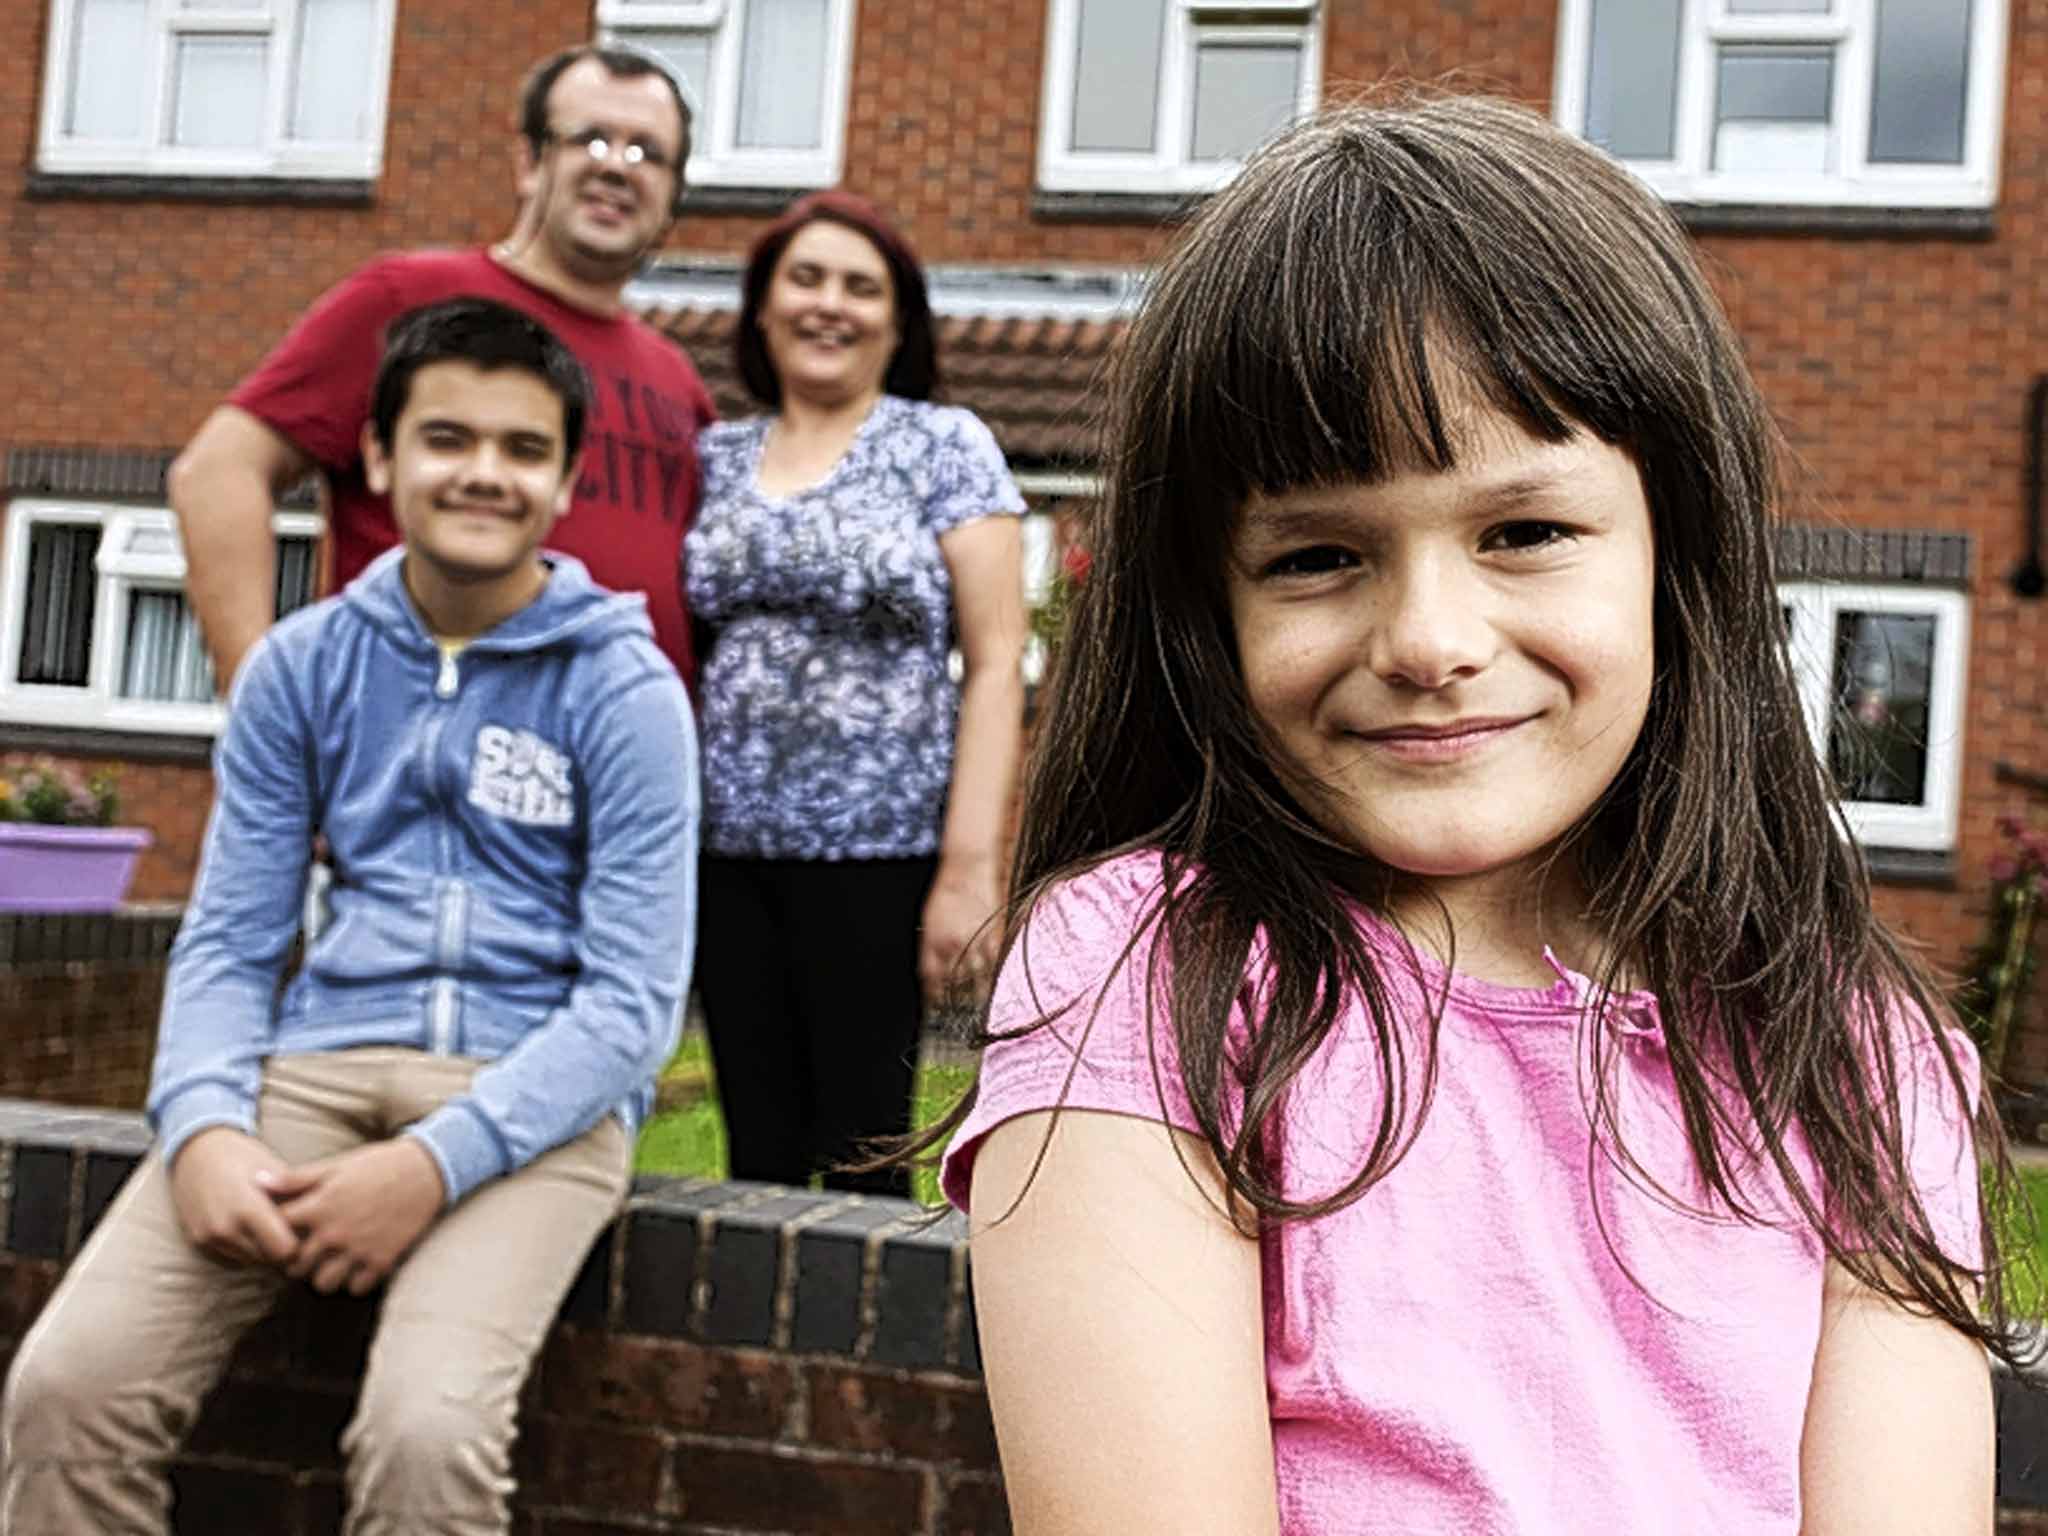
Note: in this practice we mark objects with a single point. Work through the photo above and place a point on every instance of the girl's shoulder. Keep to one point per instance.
(1108, 900)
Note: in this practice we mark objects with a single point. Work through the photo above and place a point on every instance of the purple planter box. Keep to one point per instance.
(67, 869)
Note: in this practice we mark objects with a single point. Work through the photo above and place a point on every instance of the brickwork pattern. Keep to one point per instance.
(733, 1358)
(1898, 364)
(80, 996)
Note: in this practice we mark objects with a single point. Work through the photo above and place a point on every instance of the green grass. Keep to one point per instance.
(2028, 1278)
(687, 1139)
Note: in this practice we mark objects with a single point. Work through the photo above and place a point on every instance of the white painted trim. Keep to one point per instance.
(156, 156)
(1052, 482)
(95, 706)
(1188, 24)
(715, 158)
(1689, 177)
(1931, 825)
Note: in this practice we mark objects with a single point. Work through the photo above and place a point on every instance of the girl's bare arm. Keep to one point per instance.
(1899, 1434)
(1121, 1332)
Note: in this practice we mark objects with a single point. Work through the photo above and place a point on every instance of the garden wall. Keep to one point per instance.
(79, 997)
(733, 1358)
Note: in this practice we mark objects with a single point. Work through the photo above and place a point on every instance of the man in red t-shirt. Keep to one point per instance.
(604, 134)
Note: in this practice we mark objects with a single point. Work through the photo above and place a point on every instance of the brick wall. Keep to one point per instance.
(733, 1358)
(79, 997)
(1899, 363)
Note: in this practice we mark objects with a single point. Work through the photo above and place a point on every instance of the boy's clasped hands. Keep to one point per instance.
(340, 1222)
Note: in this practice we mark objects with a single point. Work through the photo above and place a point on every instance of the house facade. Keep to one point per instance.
(1868, 180)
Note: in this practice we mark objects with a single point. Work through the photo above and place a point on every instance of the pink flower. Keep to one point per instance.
(2003, 869)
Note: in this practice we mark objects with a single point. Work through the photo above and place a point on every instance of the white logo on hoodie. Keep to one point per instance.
(517, 775)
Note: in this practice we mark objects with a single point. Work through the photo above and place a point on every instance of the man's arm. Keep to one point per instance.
(223, 487)
(1899, 1432)
(638, 773)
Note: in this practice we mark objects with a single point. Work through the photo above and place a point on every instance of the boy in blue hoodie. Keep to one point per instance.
(442, 1100)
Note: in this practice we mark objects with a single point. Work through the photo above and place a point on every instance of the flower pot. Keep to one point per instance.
(66, 869)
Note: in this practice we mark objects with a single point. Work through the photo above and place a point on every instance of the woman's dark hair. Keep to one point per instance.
(620, 64)
(913, 371)
(489, 335)
(1317, 324)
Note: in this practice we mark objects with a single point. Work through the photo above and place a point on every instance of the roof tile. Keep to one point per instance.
(1030, 377)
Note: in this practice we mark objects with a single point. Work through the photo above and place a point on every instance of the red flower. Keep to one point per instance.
(1076, 563)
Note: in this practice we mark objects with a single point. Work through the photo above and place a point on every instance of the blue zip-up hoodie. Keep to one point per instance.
(514, 840)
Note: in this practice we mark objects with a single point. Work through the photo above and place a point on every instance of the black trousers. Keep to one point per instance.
(807, 969)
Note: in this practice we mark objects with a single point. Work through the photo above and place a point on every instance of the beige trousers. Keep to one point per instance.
(110, 1378)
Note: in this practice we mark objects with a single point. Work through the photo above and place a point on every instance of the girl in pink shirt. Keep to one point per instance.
(1446, 1076)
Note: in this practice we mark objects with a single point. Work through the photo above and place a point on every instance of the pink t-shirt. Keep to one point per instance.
(1460, 1350)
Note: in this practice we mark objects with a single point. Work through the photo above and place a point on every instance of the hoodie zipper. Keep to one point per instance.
(451, 900)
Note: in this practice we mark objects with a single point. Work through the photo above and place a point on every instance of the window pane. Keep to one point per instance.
(1877, 739)
(1632, 81)
(1922, 76)
(782, 76)
(221, 85)
(165, 660)
(1772, 108)
(1243, 95)
(295, 570)
(108, 63)
(688, 56)
(56, 629)
(1780, 7)
(1121, 47)
(331, 85)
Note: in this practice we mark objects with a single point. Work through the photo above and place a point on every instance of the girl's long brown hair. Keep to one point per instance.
(1295, 337)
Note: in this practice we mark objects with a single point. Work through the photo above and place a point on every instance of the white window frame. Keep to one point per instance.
(1168, 167)
(1850, 26)
(715, 158)
(279, 156)
(1813, 606)
(97, 705)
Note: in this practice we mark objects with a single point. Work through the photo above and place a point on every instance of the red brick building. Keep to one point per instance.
(1869, 182)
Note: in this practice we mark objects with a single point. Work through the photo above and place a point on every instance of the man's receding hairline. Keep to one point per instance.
(652, 76)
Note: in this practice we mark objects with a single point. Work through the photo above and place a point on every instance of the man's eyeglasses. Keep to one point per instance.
(601, 147)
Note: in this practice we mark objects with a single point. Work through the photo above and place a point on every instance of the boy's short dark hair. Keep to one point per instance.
(488, 335)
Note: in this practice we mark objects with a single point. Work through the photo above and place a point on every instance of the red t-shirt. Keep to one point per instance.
(638, 491)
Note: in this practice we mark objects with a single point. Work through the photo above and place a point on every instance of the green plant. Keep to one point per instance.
(1049, 618)
(43, 790)
(2002, 972)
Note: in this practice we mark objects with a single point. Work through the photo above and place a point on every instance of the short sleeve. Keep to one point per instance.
(1098, 1050)
(314, 387)
(969, 476)
(1941, 1143)
(1936, 1128)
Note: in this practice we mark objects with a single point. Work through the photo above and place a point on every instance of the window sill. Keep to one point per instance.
(701, 198)
(1115, 207)
(90, 741)
(132, 187)
(1933, 870)
(1809, 219)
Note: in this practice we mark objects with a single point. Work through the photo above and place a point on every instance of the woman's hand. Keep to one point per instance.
(958, 937)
